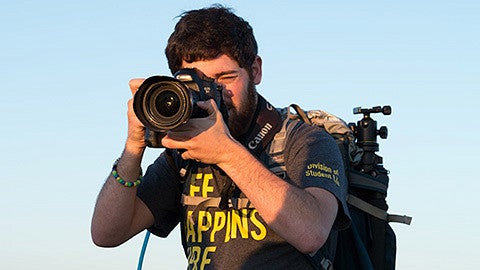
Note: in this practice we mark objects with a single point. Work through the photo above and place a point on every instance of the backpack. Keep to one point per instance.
(369, 242)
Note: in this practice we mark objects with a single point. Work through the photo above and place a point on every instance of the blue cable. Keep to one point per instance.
(142, 253)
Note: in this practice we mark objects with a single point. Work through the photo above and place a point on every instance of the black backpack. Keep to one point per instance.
(369, 242)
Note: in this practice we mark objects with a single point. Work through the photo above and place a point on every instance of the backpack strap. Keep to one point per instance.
(276, 149)
(377, 212)
(301, 114)
(364, 181)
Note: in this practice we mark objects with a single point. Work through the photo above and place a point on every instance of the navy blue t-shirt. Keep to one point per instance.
(239, 238)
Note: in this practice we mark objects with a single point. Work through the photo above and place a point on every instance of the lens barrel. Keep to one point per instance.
(163, 103)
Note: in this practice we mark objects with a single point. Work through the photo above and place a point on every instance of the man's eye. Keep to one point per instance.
(227, 78)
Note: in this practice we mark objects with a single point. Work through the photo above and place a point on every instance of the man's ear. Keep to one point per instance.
(257, 70)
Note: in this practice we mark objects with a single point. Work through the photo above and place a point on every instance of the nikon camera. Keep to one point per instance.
(163, 103)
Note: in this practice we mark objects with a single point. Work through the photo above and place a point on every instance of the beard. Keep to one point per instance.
(239, 119)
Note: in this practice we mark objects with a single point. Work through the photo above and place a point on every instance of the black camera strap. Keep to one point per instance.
(265, 124)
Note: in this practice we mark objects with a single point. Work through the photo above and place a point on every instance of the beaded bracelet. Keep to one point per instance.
(123, 182)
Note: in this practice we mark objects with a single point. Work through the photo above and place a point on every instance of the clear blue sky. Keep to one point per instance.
(64, 72)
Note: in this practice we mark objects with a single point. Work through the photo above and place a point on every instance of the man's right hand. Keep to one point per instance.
(136, 130)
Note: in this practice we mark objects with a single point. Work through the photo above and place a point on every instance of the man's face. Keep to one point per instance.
(238, 88)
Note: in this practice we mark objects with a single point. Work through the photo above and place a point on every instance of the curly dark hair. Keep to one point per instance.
(207, 33)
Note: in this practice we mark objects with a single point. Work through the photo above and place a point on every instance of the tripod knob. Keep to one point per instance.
(383, 132)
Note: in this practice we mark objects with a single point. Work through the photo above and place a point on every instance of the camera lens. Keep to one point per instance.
(163, 103)
(167, 103)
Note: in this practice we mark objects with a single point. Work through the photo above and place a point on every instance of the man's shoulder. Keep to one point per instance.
(307, 141)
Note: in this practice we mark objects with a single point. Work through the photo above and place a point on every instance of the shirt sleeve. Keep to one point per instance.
(161, 192)
(313, 159)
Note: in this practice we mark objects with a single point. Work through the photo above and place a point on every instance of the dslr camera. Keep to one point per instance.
(163, 103)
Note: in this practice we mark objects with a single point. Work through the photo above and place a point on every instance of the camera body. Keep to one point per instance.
(163, 103)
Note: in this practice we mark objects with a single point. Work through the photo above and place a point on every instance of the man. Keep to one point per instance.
(284, 219)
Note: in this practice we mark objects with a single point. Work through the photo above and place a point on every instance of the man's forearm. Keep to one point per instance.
(302, 216)
(114, 209)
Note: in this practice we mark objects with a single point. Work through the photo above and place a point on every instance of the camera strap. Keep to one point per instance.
(265, 124)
